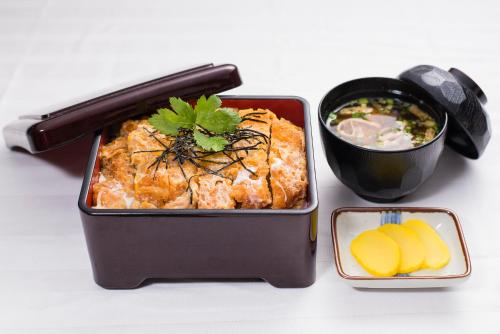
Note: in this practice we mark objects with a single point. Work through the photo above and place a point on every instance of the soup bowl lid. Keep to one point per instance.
(469, 128)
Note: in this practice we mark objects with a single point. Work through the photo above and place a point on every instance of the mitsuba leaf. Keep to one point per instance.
(210, 143)
(161, 122)
(169, 122)
(207, 105)
(207, 115)
(222, 120)
(185, 112)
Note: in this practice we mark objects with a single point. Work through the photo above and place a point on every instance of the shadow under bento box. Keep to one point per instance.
(129, 246)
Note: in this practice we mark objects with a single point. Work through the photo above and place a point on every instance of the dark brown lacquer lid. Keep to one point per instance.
(45, 132)
(469, 128)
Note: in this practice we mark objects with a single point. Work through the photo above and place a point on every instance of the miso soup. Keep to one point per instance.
(383, 123)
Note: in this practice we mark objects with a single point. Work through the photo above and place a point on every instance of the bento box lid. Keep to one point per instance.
(469, 127)
(41, 133)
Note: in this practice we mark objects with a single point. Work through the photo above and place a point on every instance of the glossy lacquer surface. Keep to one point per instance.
(127, 247)
(469, 129)
(60, 127)
(380, 176)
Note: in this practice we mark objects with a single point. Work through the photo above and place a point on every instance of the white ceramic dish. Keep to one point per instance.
(347, 223)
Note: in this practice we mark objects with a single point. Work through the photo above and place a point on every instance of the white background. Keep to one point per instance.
(53, 51)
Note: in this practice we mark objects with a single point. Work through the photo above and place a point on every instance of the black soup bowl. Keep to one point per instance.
(380, 175)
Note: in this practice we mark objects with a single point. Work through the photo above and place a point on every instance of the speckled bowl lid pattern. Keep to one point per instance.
(456, 93)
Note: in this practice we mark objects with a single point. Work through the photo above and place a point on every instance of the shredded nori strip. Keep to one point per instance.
(184, 149)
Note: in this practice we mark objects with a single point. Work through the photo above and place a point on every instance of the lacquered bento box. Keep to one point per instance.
(129, 246)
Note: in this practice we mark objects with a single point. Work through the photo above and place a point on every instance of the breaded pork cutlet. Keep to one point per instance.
(287, 161)
(158, 183)
(250, 179)
(263, 166)
(115, 189)
(242, 180)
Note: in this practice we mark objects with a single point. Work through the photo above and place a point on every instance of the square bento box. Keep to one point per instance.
(129, 246)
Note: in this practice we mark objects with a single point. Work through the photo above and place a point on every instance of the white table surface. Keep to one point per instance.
(53, 51)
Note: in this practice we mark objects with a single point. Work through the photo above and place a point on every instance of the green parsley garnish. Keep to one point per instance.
(207, 120)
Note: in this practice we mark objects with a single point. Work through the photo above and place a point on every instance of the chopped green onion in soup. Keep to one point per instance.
(383, 123)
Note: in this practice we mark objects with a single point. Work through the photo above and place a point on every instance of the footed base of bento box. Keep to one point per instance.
(279, 281)
(125, 251)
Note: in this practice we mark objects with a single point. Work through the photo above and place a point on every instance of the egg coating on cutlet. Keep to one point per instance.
(265, 168)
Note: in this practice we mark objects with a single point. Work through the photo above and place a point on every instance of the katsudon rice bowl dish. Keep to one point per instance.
(217, 188)
(203, 156)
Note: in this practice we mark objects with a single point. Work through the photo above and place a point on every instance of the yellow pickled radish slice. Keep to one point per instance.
(411, 248)
(376, 253)
(437, 254)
